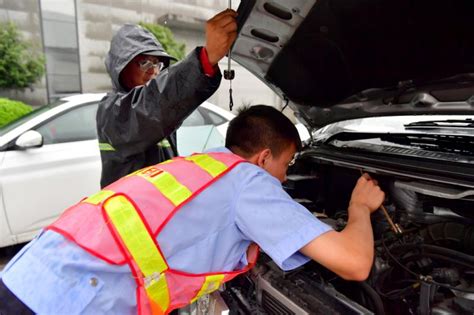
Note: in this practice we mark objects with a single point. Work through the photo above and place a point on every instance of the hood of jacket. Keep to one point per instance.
(130, 41)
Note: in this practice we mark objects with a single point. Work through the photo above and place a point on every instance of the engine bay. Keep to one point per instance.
(426, 266)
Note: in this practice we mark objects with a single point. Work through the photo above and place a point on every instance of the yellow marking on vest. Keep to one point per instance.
(211, 284)
(167, 184)
(103, 146)
(208, 164)
(167, 161)
(98, 197)
(157, 291)
(141, 246)
(164, 144)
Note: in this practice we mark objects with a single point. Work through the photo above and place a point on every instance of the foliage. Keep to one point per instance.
(20, 66)
(166, 38)
(11, 110)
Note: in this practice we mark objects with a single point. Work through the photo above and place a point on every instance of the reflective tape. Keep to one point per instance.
(164, 143)
(211, 284)
(103, 146)
(158, 293)
(141, 247)
(167, 184)
(98, 197)
(208, 164)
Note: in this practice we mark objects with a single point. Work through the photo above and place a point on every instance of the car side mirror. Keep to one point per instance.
(29, 139)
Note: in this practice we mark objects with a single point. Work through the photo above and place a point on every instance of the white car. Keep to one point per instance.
(50, 159)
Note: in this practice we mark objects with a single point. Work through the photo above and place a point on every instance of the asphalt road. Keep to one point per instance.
(7, 253)
(3, 262)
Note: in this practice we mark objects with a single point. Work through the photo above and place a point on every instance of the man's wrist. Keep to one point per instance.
(208, 69)
(358, 209)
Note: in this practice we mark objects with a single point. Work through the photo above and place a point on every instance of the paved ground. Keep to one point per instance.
(7, 253)
(3, 262)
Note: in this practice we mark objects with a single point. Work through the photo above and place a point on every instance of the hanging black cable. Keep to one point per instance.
(420, 277)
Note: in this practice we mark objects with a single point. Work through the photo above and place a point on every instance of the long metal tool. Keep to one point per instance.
(229, 74)
(394, 226)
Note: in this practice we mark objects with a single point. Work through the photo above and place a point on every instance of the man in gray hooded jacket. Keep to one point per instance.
(137, 120)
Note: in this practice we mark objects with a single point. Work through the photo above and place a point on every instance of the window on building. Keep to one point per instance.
(61, 47)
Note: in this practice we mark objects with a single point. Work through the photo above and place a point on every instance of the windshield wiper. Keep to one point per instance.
(434, 142)
(458, 144)
(448, 124)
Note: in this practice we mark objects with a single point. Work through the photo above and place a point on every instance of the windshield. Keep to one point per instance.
(15, 123)
(448, 137)
(390, 124)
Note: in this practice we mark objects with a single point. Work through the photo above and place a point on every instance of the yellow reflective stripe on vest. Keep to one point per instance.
(211, 284)
(103, 146)
(208, 163)
(141, 246)
(164, 143)
(167, 161)
(158, 292)
(167, 184)
(98, 197)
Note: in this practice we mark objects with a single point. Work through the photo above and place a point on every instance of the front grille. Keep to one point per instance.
(273, 306)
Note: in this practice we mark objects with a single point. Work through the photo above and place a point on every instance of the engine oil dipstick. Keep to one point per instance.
(395, 227)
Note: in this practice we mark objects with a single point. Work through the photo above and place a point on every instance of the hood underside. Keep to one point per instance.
(338, 59)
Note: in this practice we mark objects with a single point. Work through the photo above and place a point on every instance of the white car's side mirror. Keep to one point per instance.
(29, 139)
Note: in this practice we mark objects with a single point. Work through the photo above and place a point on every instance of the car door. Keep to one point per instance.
(40, 183)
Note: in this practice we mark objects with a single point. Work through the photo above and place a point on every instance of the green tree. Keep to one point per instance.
(166, 38)
(20, 65)
(12, 110)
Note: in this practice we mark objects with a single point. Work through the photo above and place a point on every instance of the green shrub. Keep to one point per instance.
(20, 64)
(166, 38)
(11, 110)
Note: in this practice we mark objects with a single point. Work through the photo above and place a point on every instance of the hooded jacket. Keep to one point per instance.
(132, 125)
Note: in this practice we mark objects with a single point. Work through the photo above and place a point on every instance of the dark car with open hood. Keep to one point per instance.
(385, 87)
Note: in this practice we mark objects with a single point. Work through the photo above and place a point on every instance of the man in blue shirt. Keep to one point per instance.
(212, 232)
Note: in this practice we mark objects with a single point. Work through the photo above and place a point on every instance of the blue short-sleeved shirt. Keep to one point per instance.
(52, 275)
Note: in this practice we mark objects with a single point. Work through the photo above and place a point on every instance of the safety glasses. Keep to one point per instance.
(147, 64)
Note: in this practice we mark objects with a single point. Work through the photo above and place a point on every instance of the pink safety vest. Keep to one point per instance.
(105, 225)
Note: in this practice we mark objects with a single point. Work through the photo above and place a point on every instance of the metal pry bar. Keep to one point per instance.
(395, 227)
(229, 74)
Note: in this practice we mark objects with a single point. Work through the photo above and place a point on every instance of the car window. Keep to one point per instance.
(77, 124)
(23, 119)
(195, 119)
(213, 118)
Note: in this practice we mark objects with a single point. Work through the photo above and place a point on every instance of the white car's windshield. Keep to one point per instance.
(15, 123)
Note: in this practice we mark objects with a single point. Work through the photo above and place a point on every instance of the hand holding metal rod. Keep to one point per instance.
(229, 73)
(394, 226)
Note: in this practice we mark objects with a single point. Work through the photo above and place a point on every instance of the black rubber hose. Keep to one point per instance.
(438, 257)
(448, 252)
(458, 235)
(436, 250)
(375, 297)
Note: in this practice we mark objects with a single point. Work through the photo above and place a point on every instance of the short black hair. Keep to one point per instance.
(259, 127)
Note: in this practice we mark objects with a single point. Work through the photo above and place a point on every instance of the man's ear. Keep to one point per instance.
(263, 156)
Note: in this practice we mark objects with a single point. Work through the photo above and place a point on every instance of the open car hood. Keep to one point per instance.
(334, 60)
